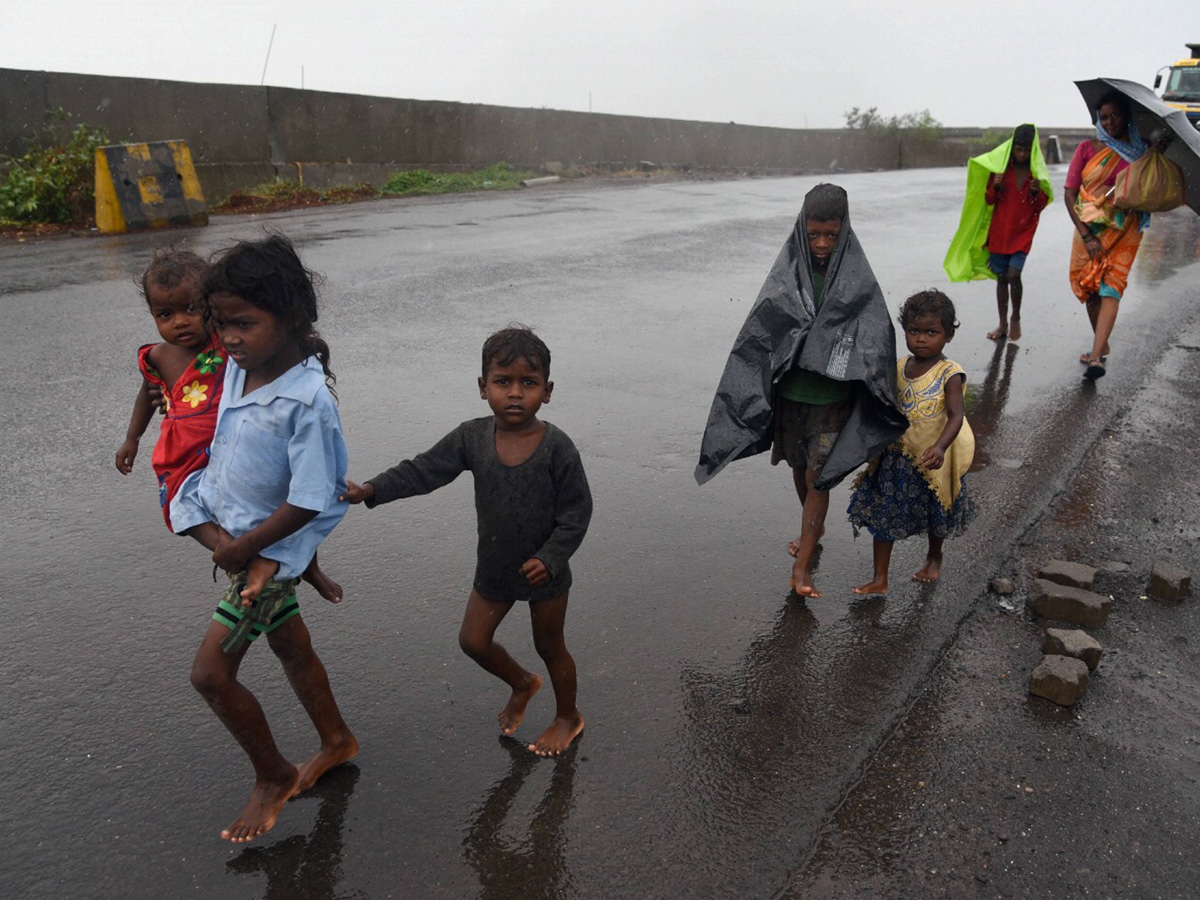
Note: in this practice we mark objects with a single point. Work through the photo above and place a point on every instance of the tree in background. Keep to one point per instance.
(920, 125)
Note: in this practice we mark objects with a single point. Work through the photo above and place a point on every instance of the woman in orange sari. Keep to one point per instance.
(1106, 238)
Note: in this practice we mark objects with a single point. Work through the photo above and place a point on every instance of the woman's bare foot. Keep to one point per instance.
(931, 571)
(559, 736)
(263, 808)
(998, 334)
(874, 586)
(325, 759)
(323, 584)
(513, 713)
(802, 582)
(1014, 329)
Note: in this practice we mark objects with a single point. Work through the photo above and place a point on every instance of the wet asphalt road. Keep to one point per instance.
(725, 721)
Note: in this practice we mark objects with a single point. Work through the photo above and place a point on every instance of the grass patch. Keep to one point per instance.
(282, 193)
(499, 177)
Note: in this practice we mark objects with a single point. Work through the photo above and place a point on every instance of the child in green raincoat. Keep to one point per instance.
(1007, 189)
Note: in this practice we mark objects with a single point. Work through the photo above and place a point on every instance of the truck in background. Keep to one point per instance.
(1182, 87)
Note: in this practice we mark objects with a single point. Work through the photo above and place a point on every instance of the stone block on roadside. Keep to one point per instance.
(553, 168)
(1075, 644)
(1003, 586)
(1169, 582)
(1068, 604)
(1072, 574)
(1059, 679)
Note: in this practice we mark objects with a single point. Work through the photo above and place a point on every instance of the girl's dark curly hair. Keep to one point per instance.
(268, 274)
(929, 303)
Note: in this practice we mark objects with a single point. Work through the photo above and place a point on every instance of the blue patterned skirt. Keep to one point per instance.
(895, 501)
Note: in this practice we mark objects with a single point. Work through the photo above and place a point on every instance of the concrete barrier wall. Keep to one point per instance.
(244, 135)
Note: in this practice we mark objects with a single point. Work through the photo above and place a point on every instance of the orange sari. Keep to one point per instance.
(1119, 232)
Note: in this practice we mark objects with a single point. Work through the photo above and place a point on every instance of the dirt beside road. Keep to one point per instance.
(985, 791)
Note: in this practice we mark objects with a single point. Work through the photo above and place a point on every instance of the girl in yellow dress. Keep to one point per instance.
(916, 485)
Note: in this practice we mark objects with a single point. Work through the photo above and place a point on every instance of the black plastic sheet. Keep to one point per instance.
(850, 338)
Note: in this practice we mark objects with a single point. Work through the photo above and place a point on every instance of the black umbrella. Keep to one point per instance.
(1155, 120)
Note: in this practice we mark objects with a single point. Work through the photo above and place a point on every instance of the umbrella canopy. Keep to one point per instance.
(1154, 120)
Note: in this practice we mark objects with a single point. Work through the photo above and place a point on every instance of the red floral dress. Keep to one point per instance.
(190, 420)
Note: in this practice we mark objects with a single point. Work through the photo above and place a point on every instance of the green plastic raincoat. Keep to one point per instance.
(967, 258)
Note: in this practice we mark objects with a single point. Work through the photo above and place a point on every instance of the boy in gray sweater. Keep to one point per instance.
(533, 506)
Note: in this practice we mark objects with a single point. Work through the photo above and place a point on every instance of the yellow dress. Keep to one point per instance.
(924, 402)
(895, 497)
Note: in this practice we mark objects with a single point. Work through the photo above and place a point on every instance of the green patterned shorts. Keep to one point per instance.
(275, 605)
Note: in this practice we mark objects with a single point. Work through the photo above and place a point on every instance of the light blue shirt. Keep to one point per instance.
(280, 443)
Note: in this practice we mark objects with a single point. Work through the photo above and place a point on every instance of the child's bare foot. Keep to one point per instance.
(259, 573)
(323, 584)
(794, 546)
(513, 713)
(326, 758)
(802, 582)
(874, 586)
(1014, 329)
(931, 571)
(559, 736)
(998, 334)
(263, 808)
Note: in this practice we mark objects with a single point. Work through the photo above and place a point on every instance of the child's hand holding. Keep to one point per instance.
(157, 399)
(997, 180)
(126, 454)
(358, 493)
(232, 555)
(933, 458)
(535, 572)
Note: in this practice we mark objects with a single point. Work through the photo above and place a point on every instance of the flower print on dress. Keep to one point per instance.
(195, 393)
(208, 363)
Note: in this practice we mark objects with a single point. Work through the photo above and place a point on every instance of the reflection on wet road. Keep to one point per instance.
(725, 719)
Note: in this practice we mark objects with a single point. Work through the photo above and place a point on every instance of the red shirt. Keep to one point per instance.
(1017, 211)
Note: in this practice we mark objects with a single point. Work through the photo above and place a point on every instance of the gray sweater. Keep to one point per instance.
(540, 508)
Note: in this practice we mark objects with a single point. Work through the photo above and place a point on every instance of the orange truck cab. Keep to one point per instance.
(1182, 87)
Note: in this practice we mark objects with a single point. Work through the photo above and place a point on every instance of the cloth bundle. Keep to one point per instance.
(1151, 184)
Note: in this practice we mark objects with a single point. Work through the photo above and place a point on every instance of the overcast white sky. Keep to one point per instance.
(788, 64)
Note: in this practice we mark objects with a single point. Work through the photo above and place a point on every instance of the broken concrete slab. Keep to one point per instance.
(1059, 679)
(1075, 644)
(1068, 604)
(1169, 582)
(1073, 574)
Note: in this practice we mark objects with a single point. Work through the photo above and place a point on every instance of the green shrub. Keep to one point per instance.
(421, 181)
(55, 180)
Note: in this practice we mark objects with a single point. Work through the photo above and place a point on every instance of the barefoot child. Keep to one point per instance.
(533, 507)
(812, 373)
(187, 370)
(1007, 189)
(267, 498)
(916, 485)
